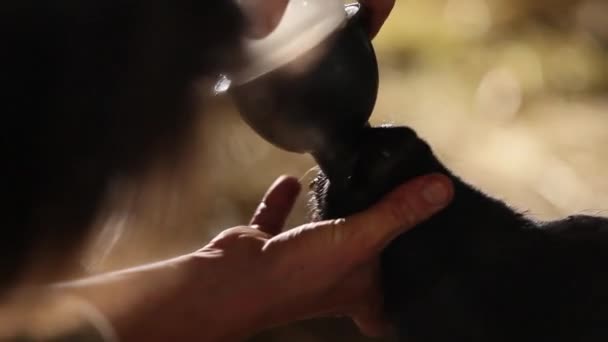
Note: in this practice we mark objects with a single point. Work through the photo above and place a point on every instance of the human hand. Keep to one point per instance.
(256, 277)
(379, 11)
(264, 15)
(318, 269)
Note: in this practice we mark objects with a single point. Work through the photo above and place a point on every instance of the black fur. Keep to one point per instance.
(478, 271)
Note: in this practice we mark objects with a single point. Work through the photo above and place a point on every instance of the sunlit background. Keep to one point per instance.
(511, 94)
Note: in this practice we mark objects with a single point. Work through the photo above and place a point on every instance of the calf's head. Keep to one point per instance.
(377, 161)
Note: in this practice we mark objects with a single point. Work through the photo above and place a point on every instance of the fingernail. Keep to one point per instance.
(435, 192)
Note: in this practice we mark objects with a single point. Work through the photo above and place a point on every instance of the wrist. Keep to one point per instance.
(164, 301)
(186, 298)
(235, 308)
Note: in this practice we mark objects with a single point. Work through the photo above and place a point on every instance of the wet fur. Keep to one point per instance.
(479, 270)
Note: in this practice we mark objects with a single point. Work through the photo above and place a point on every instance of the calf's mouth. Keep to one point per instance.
(374, 162)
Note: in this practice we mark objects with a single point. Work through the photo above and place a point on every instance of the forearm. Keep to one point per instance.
(151, 303)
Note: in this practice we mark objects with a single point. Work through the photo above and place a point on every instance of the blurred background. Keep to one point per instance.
(511, 94)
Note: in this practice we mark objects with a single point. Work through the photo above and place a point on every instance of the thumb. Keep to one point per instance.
(366, 233)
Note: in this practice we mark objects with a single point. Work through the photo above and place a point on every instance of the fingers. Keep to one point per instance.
(263, 16)
(368, 232)
(276, 205)
(379, 11)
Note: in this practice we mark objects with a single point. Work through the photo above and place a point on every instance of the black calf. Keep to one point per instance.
(478, 271)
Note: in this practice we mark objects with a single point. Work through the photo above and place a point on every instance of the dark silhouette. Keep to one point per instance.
(95, 90)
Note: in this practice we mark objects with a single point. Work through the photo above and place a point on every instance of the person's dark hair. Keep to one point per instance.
(96, 88)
